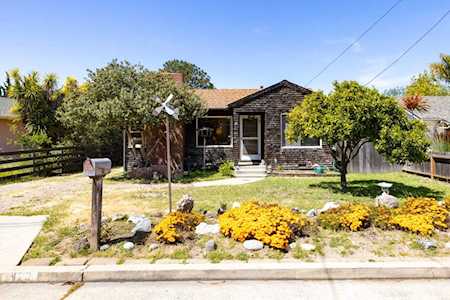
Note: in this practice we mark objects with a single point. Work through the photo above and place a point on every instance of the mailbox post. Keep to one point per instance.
(96, 169)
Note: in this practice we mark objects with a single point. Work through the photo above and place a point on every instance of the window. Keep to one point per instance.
(306, 142)
(220, 131)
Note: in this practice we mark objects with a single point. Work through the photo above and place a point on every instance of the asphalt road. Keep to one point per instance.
(217, 290)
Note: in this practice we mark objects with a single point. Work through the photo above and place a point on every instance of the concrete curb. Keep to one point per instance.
(229, 271)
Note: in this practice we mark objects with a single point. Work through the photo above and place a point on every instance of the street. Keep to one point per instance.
(217, 290)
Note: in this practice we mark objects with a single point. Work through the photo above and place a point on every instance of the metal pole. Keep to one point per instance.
(169, 175)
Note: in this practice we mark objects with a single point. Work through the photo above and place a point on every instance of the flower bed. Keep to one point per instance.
(271, 224)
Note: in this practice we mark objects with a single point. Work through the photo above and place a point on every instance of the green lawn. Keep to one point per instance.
(311, 192)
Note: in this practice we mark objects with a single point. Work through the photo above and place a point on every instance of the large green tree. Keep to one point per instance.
(121, 96)
(352, 115)
(193, 76)
(425, 84)
(442, 69)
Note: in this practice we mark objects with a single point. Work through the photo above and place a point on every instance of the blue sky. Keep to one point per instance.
(239, 43)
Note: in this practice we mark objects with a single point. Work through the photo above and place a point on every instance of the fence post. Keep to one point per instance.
(432, 167)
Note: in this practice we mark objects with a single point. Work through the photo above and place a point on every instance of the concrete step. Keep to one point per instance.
(251, 169)
(250, 163)
(249, 175)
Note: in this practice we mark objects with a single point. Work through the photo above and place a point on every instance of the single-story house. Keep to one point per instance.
(247, 125)
(437, 116)
(7, 134)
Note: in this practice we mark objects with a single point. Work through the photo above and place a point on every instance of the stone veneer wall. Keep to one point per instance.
(271, 105)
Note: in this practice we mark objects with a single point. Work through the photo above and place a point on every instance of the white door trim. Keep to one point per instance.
(245, 157)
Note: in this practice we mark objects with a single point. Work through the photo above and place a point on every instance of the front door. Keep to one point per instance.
(250, 133)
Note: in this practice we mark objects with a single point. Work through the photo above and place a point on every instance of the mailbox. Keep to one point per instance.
(94, 167)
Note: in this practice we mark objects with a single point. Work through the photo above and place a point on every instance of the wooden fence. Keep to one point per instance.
(369, 160)
(41, 162)
(437, 167)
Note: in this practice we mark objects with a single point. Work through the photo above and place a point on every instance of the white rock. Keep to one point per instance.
(128, 245)
(292, 245)
(447, 245)
(204, 228)
(104, 247)
(307, 247)
(329, 205)
(311, 213)
(253, 245)
(153, 246)
(236, 205)
(386, 200)
(210, 246)
(141, 224)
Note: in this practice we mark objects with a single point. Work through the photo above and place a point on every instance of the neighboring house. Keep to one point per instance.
(437, 117)
(248, 125)
(7, 134)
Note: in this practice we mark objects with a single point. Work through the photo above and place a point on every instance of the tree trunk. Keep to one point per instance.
(343, 172)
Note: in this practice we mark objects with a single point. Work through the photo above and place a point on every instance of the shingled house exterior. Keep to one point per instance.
(248, 126)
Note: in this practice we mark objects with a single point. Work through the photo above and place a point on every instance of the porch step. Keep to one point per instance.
(248, 170)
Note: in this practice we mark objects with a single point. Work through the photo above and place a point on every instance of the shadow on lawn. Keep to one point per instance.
(369, 188)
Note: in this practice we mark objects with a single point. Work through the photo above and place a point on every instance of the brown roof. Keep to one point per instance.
(220, 98)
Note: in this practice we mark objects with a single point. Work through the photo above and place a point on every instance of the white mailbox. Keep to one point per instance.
(94, 167)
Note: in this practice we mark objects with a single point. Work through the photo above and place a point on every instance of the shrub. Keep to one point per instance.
(422, 224)
(271, 224)
(446, 203)
(347, 216)
(172, 228)
(421, 215)
(227, 168)
(426, 206)
(380, 217)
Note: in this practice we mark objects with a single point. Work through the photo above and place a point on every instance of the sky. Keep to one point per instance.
(241, 44)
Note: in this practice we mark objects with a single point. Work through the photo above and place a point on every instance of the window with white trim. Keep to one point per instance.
(306, 142)
(220, 131)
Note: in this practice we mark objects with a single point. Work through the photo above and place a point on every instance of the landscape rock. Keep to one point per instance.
(186, 204)
(311, 213)
(295, 210)
(427, 244)
(81, 244)
(104, 247)
(204, 228)
(236, 205)
(142, 224)
(386, 200)
(447, 245)
(153, 246)
(307, 246)
(253, 245)
(293, 245)
(210, 214)
(329, 205)
(128, 245)
(210, 246)
(118, 217)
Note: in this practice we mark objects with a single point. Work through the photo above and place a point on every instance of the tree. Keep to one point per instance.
(193, 76)
(425, 84)
(395, 92)
(352, 115)
(5, 87)
(442, 69)
(36, 104)
(121, 96)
